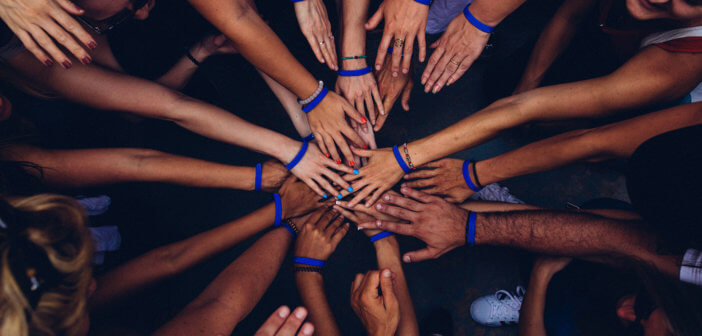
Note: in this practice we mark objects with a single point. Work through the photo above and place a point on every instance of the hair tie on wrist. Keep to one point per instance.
(257, 179)
(278, 210)
(400, 161)
(192, 58)
(297, 157)
(475, 22)
(424, 2)
(353, 73)
(470, 229)
(343, 58)
(309, 107)
(309, 137)
(374, 238)
(466, 176)
(308, 261)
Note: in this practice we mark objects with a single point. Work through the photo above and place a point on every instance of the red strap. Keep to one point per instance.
(685, 45)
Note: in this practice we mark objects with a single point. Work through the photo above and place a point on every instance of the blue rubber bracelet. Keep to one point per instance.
(308, 261)
(471, 229)
(400, 161)
(390, 51)
(353, 73)
(294, 1)
(292, 232)
(259, 174)
(278, 210)
(424, 2)
(297, 157)
(466, 176)
(309, 107)
(309, 137)
(475, 22)
(374, 238)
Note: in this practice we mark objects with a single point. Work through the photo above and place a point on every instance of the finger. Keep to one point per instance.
(326, 186)
(33, 48)
(399, 228)
(389, 298)
(324, 40)
(346, 213)
(403, 202)
(62, 37)
(292, 324)
(329, 222)
(407, 53)
(340, 233)
(406, 92)
(441, 67)
(313, 185)
(376, 195)
(371, 284)
(48, 45)
(433, 61)
(418, 195)
(360, 194)
(314, 44)
(330, 50)
(378, 101)
(353, 136)
(397, 57)
(316, 216)
(451, 68)
(353, 113)
(339, 167)
(396, 211)
(344, 147)
(423, 173)
(273, 323)
(358, 105)
(356, 284)
(375, 19)
(369, 107)
(419, 255)
(331, 146)
(321, 144)
(72, 26)
(465, 65)
(383, 49)
(423, 183)
(70, 7)
(306, 330)
(362, 152)
(380, 122)
(422, 43)
(352, 177)
(335, 178)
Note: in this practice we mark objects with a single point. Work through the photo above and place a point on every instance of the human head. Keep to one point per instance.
(103, 9)
(45, 273)
(687, 12)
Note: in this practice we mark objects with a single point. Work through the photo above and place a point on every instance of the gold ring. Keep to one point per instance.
(454, 62)
(399, 43)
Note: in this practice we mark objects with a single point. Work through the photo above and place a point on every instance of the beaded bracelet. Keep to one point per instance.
(352, 57)
(298, 157)
(354, 73)
(466, 176)
(313, 96)
(309, 107)
(374, 238)
(400, 161)
(290, 226)
(470, 229)
(258, 177)
(305, 269)
(308, 261)
(409, 160)
(475, 22)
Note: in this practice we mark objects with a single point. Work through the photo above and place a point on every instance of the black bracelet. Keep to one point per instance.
(192, 58)
(307, 269)
(292, 225)
(475, 176)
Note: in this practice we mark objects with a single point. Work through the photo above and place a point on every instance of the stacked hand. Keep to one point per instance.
(377, 177)
(360, 214)
(361, 91)
(282, 323)
(273, 175)
(380, 314)
(440, 224)
(330, 128)
(441, 178)
(314, 23)
(390, 89)
(314, 170)
(297, 199)
(319, 237)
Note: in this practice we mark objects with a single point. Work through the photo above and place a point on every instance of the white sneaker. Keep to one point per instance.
(499, 309)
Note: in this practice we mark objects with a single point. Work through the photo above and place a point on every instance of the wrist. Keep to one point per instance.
(353, 64)
(199, 52)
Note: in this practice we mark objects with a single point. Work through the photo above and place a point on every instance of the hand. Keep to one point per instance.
(550, 265)
(360, 91)
(314, 167)
(314, 23)
(390, 89)
(360, 214)
(320, 236)
(461, 43)
(368, 136)
(297, 199)
(381, 173)
(380, 314)
(440, 224)
(441, 178)
(212, 45)
(39, 24)
(328, 123)
(282, 323)
(405, 20)
(273, 174)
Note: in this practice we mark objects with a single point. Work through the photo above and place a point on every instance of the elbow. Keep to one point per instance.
(173, 107)
(597, 144)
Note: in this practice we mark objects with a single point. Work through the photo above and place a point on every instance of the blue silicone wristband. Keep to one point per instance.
(297, 157)
(475, 22)
(374, 238)
(400, 161)
(471, 229)
(278, 210)
(259, 174)
(309, 107)
(466, 176)
(294, 1)
(424, 2)
(309, 137)
(353, 73)
(308, 261)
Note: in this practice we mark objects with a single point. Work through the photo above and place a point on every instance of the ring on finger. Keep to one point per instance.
(321, 43)
(399, 43)
(453, 61)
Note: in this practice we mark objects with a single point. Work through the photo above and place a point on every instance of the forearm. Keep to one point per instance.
(178, 76)
(234, 292)
(311, 287)
(531, 315)
(290, 104)
(387, 251)
(353, 37)
(257, 43)
(91, 167)
(575, 234)
(493, 12)
(174, 258)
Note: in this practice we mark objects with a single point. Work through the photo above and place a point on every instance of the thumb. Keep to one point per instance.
(419, 255)
(70, 7)
(375, 19)
(386, 286)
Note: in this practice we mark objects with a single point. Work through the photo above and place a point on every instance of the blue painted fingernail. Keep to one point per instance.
(350, 189)
(355, 171)
(340, 196)
(325, 196)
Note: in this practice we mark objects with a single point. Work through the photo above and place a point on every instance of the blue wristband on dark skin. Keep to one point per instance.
(308, 261)
(470, 229)
(259, 174)
(278, 210)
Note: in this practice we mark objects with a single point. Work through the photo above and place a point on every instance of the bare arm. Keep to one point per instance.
(553, 40)
(531, 315)
(290, 104)
(90, 167)
(234, 292)
(311, 287)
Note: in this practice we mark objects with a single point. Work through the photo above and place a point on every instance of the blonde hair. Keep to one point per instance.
(55, 226)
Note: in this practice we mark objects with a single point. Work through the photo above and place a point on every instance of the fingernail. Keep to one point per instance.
(338, 161)
(359, 228)
(387, 197)
(337, 202)
(325, 196)
(394, 73)
(351, 163)
(404, 71)
(307, 329)
(365, 147)
(327, 155)
(364, 120)
(92, 45)
(340, 196)
(379, 206)
(436, 88)
(284, 312)
(378, 223)
(67, 64)
(86, 60)
(407, 259)
(300, 313)
(355, 171)
(387, 273)
(350, 189)
(48, 63)
(377, 67)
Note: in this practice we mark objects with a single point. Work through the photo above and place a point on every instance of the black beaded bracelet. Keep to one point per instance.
(292, 225)
(307, 269)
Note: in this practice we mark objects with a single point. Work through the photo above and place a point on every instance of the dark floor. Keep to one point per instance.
(150, 215)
